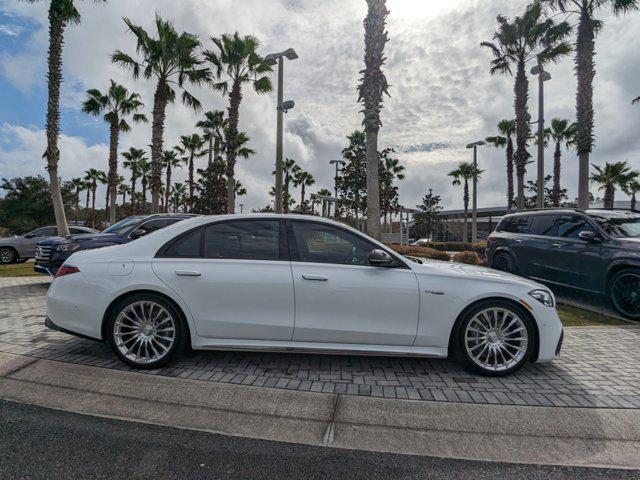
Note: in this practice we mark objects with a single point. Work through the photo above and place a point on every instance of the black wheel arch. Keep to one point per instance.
(536, 334)
(112, 305)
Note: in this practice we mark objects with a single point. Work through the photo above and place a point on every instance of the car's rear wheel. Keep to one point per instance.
(7, 255)
(624, 292)
(503, 262)
(495, 338)
(146, 331)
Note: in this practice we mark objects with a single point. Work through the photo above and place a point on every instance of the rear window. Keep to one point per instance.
(518, 224)
(543, 225)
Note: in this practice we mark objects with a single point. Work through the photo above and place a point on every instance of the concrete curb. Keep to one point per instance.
(542, 435)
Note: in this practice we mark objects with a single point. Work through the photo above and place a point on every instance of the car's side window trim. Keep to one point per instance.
(295, 254)
(283, 254)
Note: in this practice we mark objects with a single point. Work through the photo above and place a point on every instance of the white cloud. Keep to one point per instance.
(10, 30)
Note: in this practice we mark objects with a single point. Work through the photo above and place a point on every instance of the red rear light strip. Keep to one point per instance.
(66, 270)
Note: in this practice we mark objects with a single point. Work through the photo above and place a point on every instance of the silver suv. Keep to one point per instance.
(19, 249)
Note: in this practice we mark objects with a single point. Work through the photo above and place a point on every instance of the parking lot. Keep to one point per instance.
(598, 367)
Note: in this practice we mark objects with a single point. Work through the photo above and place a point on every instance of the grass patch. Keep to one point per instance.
(17, 270)
(577, 317)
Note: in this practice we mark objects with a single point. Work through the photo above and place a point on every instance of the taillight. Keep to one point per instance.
(66, 270)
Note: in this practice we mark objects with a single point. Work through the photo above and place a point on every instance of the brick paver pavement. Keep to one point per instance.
(599, 367)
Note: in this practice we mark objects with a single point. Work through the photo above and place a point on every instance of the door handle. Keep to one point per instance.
(317, 278)
(558, 245)
(187, 273)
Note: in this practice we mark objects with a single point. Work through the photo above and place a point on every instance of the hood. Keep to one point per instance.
(631, 242)
(461, 270)
(79, 238)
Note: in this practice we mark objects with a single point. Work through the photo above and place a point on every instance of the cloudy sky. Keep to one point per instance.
(442, 96)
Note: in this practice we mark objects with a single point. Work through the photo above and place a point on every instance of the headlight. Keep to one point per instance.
(68, 247)
(543, 297)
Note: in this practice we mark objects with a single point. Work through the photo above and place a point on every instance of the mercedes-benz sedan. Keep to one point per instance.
(295, 283)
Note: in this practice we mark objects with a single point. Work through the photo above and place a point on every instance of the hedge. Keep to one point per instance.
(468, 257)
(478, 247)
(421, 252)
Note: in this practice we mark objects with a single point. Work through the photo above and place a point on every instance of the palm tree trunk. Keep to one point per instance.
(157, 133)
(144, 195)
(302, 207)
(86, 209)
(585, 71)
(522, 127)
(509, 173)
(285, 194)
(235, 97)
(465, 199)
(112, 184)
(56, 40)
(210, 148)
(609, 196)
(556, 175)
(191, 184)
(107, 204)
(633, 200)
(133, 194)
(168, 188)
(77, 204)
(124, 198)
(93, 205)
(373, 183)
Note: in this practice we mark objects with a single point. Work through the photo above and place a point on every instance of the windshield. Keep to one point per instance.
(124, 225)
(627, 226)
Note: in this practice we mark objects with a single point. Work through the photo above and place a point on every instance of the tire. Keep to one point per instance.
(624, 293)
(504, 263)
(134, 333)
(7, 255)
(482, 347)
(21, 260)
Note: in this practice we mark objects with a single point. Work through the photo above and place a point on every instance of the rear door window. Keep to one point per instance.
(544, 225)
(519, 224)
(243, 240)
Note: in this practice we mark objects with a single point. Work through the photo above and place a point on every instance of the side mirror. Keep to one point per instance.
(138, 233)
(380, 258)
(29, 235)
(589, 236)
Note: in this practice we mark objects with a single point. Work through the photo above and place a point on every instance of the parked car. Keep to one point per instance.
(20, 248)
(596, 251)
(302, 283)
(51, 253)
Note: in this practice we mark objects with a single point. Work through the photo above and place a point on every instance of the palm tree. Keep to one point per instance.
(94, 177)
(635, 100)
(117, 104)
(631, 189)
(373, 84)
(515, 43)
(170, 161)
(236, 62)
(124, 190)
(133, 157)
(178, 196)
(145, 180)
(324, 193)
(613, 176)
(79, 184)
(172, 60)
(461, 176)
(61, 14)
(588, 27)
(191, 146)
(213, 126)
(508, 129)
(289, 170)
(303, 179)
(561, 131)
(392, 170)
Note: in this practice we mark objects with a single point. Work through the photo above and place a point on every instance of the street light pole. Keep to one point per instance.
(542, 77)
(474, 202)
(273, 59)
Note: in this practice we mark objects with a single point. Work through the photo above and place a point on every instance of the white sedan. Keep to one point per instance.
(296, 283)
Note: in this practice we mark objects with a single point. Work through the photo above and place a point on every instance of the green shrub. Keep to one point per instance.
(421, 252)
(479, 248)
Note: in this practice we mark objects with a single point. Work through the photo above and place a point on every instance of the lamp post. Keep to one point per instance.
(474, 202)
(241, 205)
(337, 163)
(542, 77)
(272, 59)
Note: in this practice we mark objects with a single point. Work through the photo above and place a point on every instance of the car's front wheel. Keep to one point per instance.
(494, 338)
(146, 331)
(7, 255)
(624, 292)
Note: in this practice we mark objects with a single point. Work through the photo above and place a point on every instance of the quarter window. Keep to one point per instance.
(187, 246)
(543, 225)
(244, 240)
(326, 244)
(519, 224)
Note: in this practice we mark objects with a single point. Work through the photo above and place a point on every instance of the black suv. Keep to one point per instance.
(594, 250)
(51, 253)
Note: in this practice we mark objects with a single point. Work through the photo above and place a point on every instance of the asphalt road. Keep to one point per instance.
(39, 443)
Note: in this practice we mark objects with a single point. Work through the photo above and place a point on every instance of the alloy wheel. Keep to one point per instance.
(6, 255)
(496, 339)
(625, 293)
(503, 263)
(144, 332)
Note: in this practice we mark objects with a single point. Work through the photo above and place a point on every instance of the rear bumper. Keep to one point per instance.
(48, 323)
